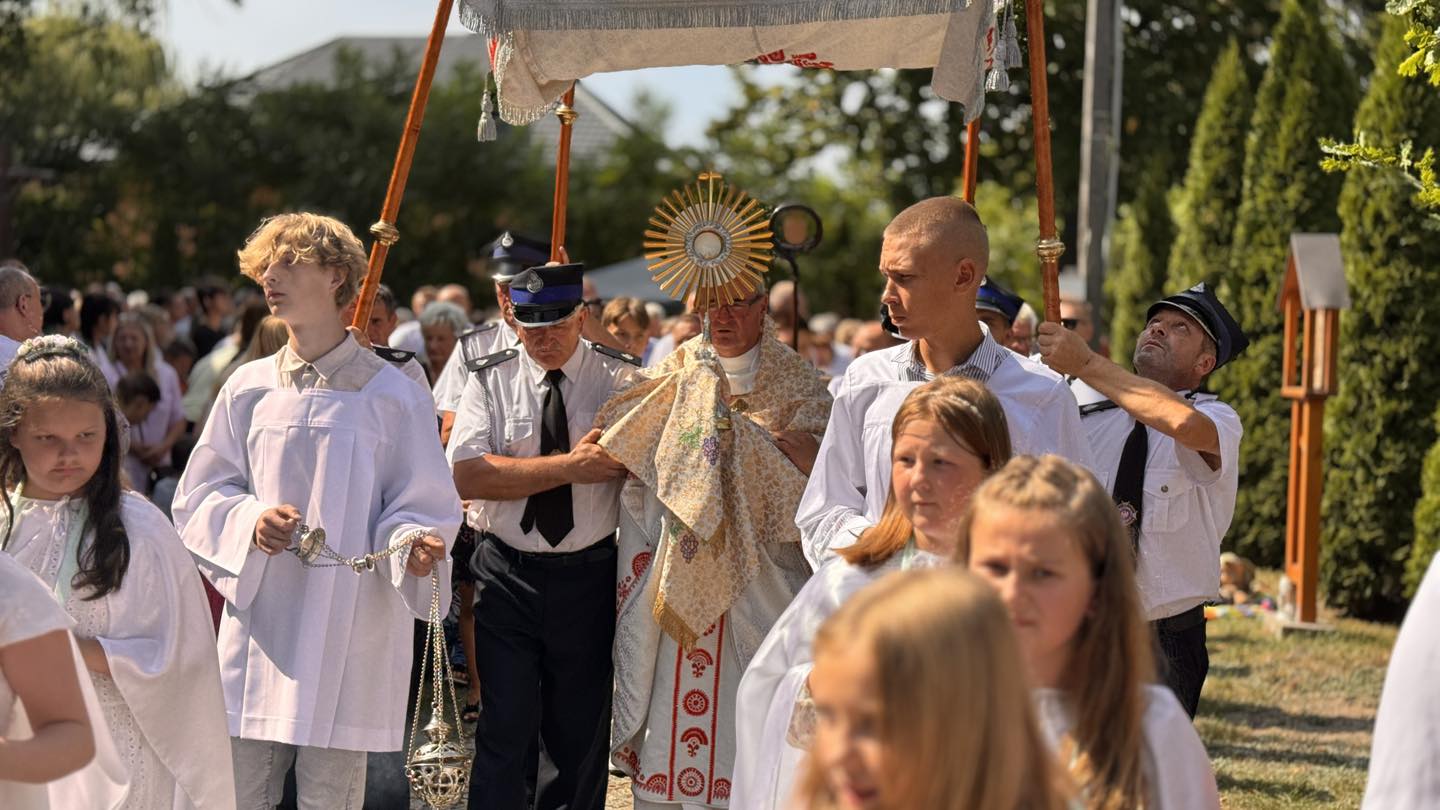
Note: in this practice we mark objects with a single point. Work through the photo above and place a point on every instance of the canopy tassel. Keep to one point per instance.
(486, 131)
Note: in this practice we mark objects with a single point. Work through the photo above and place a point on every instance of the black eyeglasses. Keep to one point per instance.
(1070, 323)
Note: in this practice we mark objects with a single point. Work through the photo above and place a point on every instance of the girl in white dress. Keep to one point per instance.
(48, 730)
(119, 569)
(947, 436)
(1050, 540)
(921, 702)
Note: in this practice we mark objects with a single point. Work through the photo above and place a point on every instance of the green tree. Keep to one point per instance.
(1427, 516)
(1210, 197)
(1137, 277)
(1380, 423)
(1308, 93)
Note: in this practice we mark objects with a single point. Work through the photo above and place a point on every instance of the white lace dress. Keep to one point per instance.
(162, 700)
(28, 611)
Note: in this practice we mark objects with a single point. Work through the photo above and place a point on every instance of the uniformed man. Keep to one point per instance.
(376, 335)
(997, 308)
(933, 259)
(509, 254)
(546, 500)
(1170, 455)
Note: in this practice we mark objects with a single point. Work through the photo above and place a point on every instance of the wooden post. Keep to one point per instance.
(1049, 248)
(384, 230)
(972, 159)
(567, 115)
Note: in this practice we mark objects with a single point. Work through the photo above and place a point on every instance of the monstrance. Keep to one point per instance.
(709, 243)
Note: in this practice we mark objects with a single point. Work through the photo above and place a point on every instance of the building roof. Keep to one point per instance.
(595, 131)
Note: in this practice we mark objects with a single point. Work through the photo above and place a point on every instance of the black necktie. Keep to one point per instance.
(1129, 490)
(551, 510)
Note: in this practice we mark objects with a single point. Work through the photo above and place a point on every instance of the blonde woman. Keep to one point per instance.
(921, 702)
(948, 435)
(1049, 539)
(132, 349)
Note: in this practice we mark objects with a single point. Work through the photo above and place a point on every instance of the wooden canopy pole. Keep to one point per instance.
(384, 229)
(567, 114)
(1049, 248)
(972, 159)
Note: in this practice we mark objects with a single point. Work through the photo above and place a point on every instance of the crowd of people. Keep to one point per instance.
(744, 557)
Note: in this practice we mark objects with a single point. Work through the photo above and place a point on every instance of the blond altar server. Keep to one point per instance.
(709, 555)
(322, 436)
(933, 259)
(114, 562)
(949, 435)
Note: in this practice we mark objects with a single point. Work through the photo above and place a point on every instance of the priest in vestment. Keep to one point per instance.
(719, 440)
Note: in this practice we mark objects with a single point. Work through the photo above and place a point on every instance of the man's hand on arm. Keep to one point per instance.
(591, 464)
(800, 447)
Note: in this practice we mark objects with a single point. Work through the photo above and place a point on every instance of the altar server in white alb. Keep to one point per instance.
(933, 259)
(114, 562)
(1170, 456)
(326, 436)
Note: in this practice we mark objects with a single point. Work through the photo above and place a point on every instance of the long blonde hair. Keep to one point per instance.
(957, 721)
(1112, 658)
(972, 416)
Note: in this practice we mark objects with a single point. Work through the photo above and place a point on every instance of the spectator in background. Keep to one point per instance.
(206, 375)
(454, 294)
(656, 311)
(183, 307)
(180, 354)
(62, 317)
(215, 307)
(845, 332)
(22, 310)
(1077, 315)
(98, 315)
(627, 321)
(383, 318)
(134, 350)
(406, 336)
(682, 328)
(441, 324)
(997, 308)
(137, 394)
(158, 319)
(825, 353)
(1022, 332)
(782, 311)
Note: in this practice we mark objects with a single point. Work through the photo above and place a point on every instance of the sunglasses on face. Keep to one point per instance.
(1070, 323)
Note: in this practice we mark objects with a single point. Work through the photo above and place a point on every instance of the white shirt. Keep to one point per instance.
(1177, 769)
(408, 337)
(851, 478)
(8, 348)
(313, 656)
(1187, 507)
(500, 413)
(1405, 752)
(475, 344)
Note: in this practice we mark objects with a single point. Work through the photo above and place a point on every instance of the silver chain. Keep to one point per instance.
(310, 545)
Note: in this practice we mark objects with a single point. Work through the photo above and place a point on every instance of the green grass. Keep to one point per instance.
(1287, 722)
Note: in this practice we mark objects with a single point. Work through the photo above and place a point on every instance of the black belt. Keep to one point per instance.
(602, 549)
(1182, 621)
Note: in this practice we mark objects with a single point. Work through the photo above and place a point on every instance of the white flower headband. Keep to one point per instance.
(50, 346)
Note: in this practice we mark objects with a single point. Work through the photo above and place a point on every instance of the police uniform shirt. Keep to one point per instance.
(481, 341)
(1187, 507)
(499, 414)
(851, 479)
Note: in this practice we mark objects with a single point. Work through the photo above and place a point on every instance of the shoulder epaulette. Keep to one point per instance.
(1097, 407)
(482, 363)
(397, 356)
(481, 329)
(616, 353)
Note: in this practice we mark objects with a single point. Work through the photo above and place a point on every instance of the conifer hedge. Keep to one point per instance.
(1307, 93)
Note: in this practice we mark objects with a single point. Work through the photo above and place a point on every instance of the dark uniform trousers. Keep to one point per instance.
(544, 626)
(1183, 661)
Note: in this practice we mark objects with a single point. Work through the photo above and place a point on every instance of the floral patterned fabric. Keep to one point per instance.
(724, 484)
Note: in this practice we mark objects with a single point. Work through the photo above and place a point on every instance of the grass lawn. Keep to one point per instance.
(1287, 722)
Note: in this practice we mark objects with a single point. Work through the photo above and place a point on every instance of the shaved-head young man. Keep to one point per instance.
(933, 260)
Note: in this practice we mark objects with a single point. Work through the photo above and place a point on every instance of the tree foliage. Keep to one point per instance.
(1380, 423)
(1308, 92)
(1136, 278)
(1209, 199)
